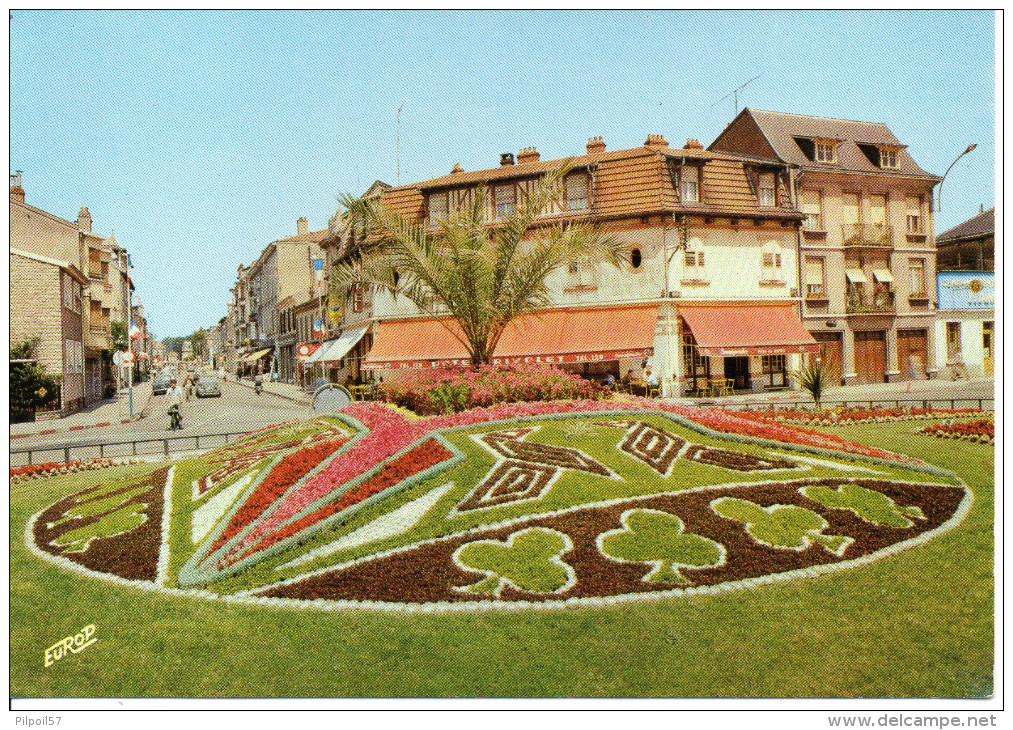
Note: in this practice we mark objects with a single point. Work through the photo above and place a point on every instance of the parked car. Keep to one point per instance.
(160, 384)
(207, 386)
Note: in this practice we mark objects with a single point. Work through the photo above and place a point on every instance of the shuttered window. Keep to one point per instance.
(812, 206)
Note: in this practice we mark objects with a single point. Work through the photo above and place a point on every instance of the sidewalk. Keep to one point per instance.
(931, 390)
(288, 391)
(110, 411)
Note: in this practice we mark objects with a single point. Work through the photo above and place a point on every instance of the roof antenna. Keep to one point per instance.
(398, 150)
(735, 93)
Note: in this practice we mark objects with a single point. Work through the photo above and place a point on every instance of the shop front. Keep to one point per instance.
(728, 348)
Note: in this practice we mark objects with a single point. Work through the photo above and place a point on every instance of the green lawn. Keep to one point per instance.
(918, 624)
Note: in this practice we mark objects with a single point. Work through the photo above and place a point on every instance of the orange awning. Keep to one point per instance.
(747, 329)
(551, 336)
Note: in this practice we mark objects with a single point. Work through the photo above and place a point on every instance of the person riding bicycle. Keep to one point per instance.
(175, 401)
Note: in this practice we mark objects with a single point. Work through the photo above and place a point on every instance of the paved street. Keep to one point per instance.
(239, 410)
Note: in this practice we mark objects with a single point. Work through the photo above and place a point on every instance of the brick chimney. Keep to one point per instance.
(693, 144)
(595, 144)
(507, 158)
(527, 154)
(656, 142)
(302, 226)
(84, 220)
(17, 192)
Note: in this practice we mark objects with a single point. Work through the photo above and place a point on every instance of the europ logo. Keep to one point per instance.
(73, 644)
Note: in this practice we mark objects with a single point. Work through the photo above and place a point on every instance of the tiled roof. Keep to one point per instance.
(781, 130)
(311, 237)
(635, 181)
(980, 226)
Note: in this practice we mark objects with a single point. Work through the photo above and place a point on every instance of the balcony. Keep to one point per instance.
(867, 235)
(816, 295)
(98, 337)
(861, 302)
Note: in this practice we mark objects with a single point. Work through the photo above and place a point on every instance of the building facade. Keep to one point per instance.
(41, 233)
(708, 292)
(965, 323)
(47, 304)
(866, 250)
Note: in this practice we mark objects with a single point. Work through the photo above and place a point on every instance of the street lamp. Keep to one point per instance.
(939, 192)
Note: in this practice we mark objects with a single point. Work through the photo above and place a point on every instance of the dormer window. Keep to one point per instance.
(576, 191)
(767, 192)
(887, 158)
(437, 203)
(505, 197)
(689, 184)
(826, 152)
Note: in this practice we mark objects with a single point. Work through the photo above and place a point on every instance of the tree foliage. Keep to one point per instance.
(31, 386)
(482, 274)
(119, 333)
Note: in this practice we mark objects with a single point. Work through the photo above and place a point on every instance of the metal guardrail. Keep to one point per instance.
(162, 446)
(982, 404)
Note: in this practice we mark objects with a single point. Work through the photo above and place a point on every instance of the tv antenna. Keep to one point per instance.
(398, 150)
(735, 93)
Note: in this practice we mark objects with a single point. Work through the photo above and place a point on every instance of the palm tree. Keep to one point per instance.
(483, 275)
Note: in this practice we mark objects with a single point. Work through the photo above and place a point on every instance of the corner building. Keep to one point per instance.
(709, 293)
(867, 250)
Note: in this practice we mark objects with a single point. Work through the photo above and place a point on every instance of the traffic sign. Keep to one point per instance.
(128, 357)
(117, 358)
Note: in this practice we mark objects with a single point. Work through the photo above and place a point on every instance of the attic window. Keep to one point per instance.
(887, 158)
(766, 190)
(689, 184)
(437, 208)
(826, 152)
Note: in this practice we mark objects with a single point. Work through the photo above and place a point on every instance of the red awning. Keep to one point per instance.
(551, 336)
(747, 329)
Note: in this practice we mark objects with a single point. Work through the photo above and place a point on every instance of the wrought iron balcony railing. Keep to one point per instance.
(859, 302)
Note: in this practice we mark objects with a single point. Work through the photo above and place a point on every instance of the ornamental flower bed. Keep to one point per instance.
(982, 431)
(530, 503)
(448, 390)
(851, 416)
(37, 471)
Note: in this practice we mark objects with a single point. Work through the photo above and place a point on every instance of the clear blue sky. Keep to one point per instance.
(200, 137)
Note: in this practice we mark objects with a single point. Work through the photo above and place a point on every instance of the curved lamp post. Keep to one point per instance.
(939, 192)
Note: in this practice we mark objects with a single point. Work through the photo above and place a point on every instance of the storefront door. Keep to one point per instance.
(912, 353)
(737, 369)
(831, 353)
(870, 356)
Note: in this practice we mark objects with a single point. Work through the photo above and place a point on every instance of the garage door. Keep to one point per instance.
(870, 356)
(831, 353)
(912, 353)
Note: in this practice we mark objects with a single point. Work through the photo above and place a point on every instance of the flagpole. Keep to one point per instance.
(130, 342)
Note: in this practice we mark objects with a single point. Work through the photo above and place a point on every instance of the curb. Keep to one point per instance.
(143, 413)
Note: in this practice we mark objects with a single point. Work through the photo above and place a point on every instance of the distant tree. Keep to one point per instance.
(198, 341)
(173, 344)
(120, 337)
(31, 386)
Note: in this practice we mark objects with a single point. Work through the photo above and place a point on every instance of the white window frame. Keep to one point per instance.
(888, 158)
(813, 221)
(689, 184)
(766, 192)
(918, 283)
(434, 212)
(815, 289)
(577, 197)
(915, 221)
(825, 152)
(505, 208)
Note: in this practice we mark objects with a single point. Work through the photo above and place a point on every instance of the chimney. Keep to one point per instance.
(528, 154)
(656, 142)
(457, 169)
(693, 144)
(17, 192)
(595, 144)
(302, 226)
(507, 158)
(84, 220)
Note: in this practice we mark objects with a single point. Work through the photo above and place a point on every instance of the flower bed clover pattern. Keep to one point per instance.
(857, 415)
(525, 504)
(982, 431)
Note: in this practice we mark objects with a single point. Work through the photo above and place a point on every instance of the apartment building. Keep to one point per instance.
(708, 292)
(47, 303)
(965, 322)
(337, 335)
(264, 297)
(38, 232)
(866, 249)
